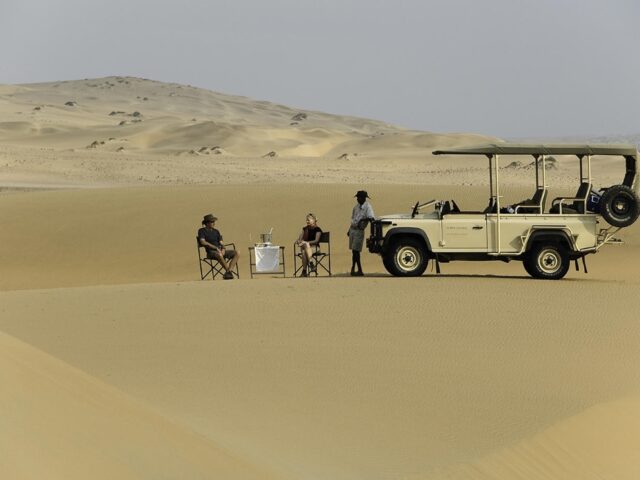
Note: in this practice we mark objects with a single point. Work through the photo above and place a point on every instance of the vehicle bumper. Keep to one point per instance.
(375, 242)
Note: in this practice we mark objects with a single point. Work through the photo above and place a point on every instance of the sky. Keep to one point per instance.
(508, 68)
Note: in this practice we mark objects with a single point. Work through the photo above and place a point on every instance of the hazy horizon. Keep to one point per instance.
(547, 69)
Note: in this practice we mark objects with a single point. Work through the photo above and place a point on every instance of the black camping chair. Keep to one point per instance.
(211, 266)
(321, 258)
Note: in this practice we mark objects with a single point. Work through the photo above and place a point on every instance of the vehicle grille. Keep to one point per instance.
(374, 242)
(376, 230)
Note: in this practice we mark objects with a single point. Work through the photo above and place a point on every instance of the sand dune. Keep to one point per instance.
(591, 445)
(101, 130)
(130, 131)
(59, 423)
(124, 107)
(368, 378)
(133, 368)
(469, 373)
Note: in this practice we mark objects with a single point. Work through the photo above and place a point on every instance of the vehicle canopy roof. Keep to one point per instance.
(625, 150)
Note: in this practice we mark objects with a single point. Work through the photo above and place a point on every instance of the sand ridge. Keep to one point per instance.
(145, 115)
(61, 423)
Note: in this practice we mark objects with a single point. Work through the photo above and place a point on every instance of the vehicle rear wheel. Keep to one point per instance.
(619, 206)
(528, 266)
(548, 261)
(407, 257)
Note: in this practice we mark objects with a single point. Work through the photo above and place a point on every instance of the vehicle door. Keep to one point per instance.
(464, 231)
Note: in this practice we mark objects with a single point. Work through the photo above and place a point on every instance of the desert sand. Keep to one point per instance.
(116, 361)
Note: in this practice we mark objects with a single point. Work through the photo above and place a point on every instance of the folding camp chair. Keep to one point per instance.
(211, 266)
(321, 259)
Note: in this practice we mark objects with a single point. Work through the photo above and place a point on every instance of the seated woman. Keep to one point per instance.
(309, 236)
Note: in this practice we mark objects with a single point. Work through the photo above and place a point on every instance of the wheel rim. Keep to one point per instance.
(620, 205)
(408, 258)
(549, 261)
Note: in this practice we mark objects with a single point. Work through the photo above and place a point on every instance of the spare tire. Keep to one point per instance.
(619, 206)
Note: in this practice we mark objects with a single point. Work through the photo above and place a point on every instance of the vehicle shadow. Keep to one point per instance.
(491, 276)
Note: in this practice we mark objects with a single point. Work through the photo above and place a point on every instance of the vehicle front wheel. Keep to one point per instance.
(407, 257)
(547, 261)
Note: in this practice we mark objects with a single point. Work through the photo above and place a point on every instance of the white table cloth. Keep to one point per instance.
(267, 258)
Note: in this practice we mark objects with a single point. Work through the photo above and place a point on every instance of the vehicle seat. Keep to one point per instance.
(579, 201)
(581, 197)
(491, 208)
(535, 204)
(446, 209)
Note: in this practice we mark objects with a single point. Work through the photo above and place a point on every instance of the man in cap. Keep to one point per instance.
(211, 239)
(361, 214)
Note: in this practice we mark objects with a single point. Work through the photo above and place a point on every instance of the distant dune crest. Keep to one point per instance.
(168, 118)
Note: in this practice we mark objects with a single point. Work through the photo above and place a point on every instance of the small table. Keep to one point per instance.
(266, 259)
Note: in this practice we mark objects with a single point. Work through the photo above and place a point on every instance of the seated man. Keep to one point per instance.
(211, 239)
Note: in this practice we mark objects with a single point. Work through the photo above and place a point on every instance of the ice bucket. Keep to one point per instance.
(265, 238)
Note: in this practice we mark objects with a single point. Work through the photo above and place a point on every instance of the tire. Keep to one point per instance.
(548, 261)
(619, 206)
(407, 257)
(387, 261)
(528, 265)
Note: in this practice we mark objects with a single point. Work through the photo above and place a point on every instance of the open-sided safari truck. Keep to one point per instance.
(545, 241)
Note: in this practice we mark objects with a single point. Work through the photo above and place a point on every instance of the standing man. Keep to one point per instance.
(361, 214)
(211, 239)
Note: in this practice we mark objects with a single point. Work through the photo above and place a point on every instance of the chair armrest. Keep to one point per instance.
(229, 245)
(562, 200)
(534, 206)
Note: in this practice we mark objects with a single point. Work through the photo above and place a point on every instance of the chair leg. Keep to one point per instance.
(237, 272)
(215, 269)
(295, 263)
(296, 269)
(218, 271)
(213, 272)
(320, 263)
(328, 270)
(205, 273)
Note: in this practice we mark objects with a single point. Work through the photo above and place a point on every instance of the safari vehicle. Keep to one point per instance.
(545, 241)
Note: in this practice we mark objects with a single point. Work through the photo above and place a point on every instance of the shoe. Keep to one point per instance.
(353, 273)
(228, 276)
(312, 267)
(358, 274)
(304, 274)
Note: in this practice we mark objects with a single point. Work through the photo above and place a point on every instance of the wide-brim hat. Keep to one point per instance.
(362, 193)
(209, 218)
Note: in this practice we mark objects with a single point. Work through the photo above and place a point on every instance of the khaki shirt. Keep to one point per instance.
(361, 212)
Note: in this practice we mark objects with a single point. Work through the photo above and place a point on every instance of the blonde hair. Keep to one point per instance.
(312, 216)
